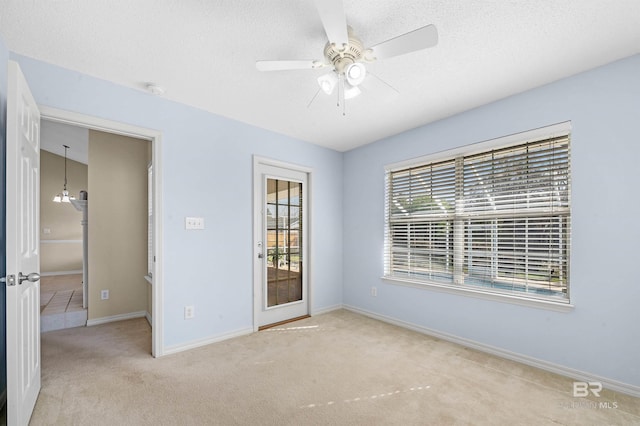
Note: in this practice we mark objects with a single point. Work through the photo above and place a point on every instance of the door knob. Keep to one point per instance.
(32, 277)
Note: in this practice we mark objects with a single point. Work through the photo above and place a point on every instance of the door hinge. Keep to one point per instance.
(10, 280)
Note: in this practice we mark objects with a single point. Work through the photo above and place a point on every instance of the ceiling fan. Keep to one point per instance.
(346, 53)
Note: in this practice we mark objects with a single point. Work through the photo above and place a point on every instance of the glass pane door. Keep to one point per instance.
(284, 242)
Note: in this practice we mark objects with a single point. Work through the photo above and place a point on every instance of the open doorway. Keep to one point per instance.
(121, 198)
(94, 227)
(63, 178)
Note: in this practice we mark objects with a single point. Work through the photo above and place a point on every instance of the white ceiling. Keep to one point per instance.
(203, 53)
(53, 137)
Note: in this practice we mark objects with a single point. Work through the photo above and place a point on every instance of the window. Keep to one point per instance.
(494, 218)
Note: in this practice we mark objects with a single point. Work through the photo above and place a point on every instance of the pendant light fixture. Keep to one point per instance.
(64, 197)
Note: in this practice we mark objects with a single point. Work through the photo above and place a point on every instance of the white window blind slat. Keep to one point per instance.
(498, 220)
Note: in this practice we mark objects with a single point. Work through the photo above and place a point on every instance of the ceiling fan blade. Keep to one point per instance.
(419, 39)
(333, 20)
(287, 65)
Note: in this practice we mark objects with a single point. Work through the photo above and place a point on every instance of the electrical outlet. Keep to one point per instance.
(194, 223)
(189, 312)
(104, 294)
(374, 291)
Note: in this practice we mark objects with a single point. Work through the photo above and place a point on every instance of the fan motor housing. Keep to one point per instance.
(341, 58)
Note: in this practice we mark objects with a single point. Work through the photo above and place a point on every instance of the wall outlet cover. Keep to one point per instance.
(194, 223)
(189, 312)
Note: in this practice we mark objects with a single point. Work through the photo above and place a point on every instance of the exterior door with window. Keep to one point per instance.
(23, 242)
(281, 289)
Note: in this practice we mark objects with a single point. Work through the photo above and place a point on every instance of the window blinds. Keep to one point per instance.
(498, 220)
(421, 213)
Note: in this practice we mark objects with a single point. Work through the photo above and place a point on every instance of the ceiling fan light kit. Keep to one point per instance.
(356, 73)
(328, 82)
(351, 92)
(346, 53)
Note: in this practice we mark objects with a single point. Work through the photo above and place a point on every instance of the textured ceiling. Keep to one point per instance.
(203, 53)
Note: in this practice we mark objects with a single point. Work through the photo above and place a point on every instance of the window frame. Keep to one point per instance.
(506, 142)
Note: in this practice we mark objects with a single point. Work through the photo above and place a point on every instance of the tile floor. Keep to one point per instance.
(61, 302)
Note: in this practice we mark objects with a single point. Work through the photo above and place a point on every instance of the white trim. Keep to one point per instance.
(326, 309)
(257, 159)
(114, 318)
(541, 133)
(149, 318)
(309, 228)
(96, 123)
(206, 341)
(257, 229)
(513, 299)
(607, 383)
(56, 273)
(155, 136)
(60, 241)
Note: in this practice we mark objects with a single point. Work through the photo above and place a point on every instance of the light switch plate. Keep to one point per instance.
(194, 223)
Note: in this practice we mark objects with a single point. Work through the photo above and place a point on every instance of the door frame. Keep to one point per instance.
(155, 137)
(258, 231)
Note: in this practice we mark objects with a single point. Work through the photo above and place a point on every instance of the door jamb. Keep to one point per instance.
(257, 229)
(155, 136)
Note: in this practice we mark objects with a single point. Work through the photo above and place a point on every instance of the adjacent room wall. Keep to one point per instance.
(61, 248)
(208, 161)
(600, 336)
(117, 225)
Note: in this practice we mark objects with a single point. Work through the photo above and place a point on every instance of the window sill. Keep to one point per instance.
(470, 292)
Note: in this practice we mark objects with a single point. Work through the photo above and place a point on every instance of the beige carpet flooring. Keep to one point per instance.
(338, 368)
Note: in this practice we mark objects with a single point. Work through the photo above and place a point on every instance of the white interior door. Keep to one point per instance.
(23, 246)
(281, 241)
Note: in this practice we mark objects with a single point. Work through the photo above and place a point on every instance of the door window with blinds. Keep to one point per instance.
(494, 219)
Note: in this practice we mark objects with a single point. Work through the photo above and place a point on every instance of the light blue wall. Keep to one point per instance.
(208, 172)
(4, 57)
(602, 334)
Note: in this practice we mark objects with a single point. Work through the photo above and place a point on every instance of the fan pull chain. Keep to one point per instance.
(314, 98)
(388, 85)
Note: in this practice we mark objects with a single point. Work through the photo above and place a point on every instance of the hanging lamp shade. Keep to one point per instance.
(64, 196)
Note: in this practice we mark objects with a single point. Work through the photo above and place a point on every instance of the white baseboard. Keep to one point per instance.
(120, 317)
(607, 383)
(149, 318)
(215, 339)
(325, 310)
(55, 273)
(206, 341)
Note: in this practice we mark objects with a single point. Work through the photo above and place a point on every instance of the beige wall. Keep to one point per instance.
(61, 249)
(117, 224)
